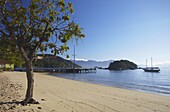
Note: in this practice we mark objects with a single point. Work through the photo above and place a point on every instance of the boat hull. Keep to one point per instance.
(151, 69)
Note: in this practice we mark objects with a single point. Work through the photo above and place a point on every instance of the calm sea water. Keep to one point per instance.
(129, 79)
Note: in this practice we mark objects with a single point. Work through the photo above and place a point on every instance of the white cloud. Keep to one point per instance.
(78, 59)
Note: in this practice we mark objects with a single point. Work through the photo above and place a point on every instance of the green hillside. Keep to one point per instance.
(49, 60)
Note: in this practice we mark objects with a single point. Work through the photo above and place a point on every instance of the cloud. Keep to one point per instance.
(78, 59)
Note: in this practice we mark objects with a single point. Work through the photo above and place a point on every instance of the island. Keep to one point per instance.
(122, 65)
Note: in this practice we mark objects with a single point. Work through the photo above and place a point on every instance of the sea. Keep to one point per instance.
(138, 80)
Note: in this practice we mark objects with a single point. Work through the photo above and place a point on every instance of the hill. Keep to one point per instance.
(49, 60)
(93, 63)
(122, 65)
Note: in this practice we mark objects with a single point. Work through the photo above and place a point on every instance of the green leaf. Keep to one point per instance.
(35, 0)
(64, 40)
(62, 10)
(71, 10)
(61, 3)
(67, 56)
(70, 4)
(65, 17)
(51, 18)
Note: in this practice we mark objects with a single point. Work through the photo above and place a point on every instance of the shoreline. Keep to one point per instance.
(63, 95)
(100, 84)
(140, 87)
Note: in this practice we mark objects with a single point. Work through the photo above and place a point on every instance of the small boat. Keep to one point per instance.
(151, 69)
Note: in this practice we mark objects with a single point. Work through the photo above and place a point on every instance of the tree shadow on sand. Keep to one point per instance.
(13, 102)
(7, 106)
(19, 102)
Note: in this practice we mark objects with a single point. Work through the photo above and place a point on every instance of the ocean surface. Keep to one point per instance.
(138, 80)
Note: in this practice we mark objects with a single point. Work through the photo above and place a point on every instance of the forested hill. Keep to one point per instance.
(49, 60)
(122, 65)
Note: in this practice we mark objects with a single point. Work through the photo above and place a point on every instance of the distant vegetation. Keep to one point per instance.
(122, 65)
(49, 60)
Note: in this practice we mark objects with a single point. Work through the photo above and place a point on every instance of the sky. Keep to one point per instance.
(123, 29)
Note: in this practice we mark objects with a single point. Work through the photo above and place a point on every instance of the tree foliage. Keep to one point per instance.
(10, 53)
(32, 25)
(37, 26)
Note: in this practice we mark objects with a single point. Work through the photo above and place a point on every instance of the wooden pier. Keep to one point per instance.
(60, 70)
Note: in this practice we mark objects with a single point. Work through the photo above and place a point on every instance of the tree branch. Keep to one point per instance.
(56, 28)
(23, 53)
(4, 33)
(33, 51)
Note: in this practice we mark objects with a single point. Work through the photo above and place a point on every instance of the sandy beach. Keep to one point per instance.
(62, 95)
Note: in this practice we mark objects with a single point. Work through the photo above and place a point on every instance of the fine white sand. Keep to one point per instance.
(63, 95)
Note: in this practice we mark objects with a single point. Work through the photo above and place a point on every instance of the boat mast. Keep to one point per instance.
(146, 63)
(74, 57)
(151, 61)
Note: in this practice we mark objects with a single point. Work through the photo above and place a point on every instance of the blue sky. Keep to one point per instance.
(123, 29)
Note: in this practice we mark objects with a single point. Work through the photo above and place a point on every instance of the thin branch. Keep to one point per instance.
(4, 33)
(23, 53)
(33, 51)
(56, 28)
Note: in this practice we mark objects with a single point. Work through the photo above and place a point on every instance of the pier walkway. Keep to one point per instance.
(60, 70)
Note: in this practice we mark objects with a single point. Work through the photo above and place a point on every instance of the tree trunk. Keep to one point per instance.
(30, 85)
(30, 78)
(30, 82)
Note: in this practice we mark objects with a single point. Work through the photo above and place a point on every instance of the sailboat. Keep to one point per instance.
(151, 69)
